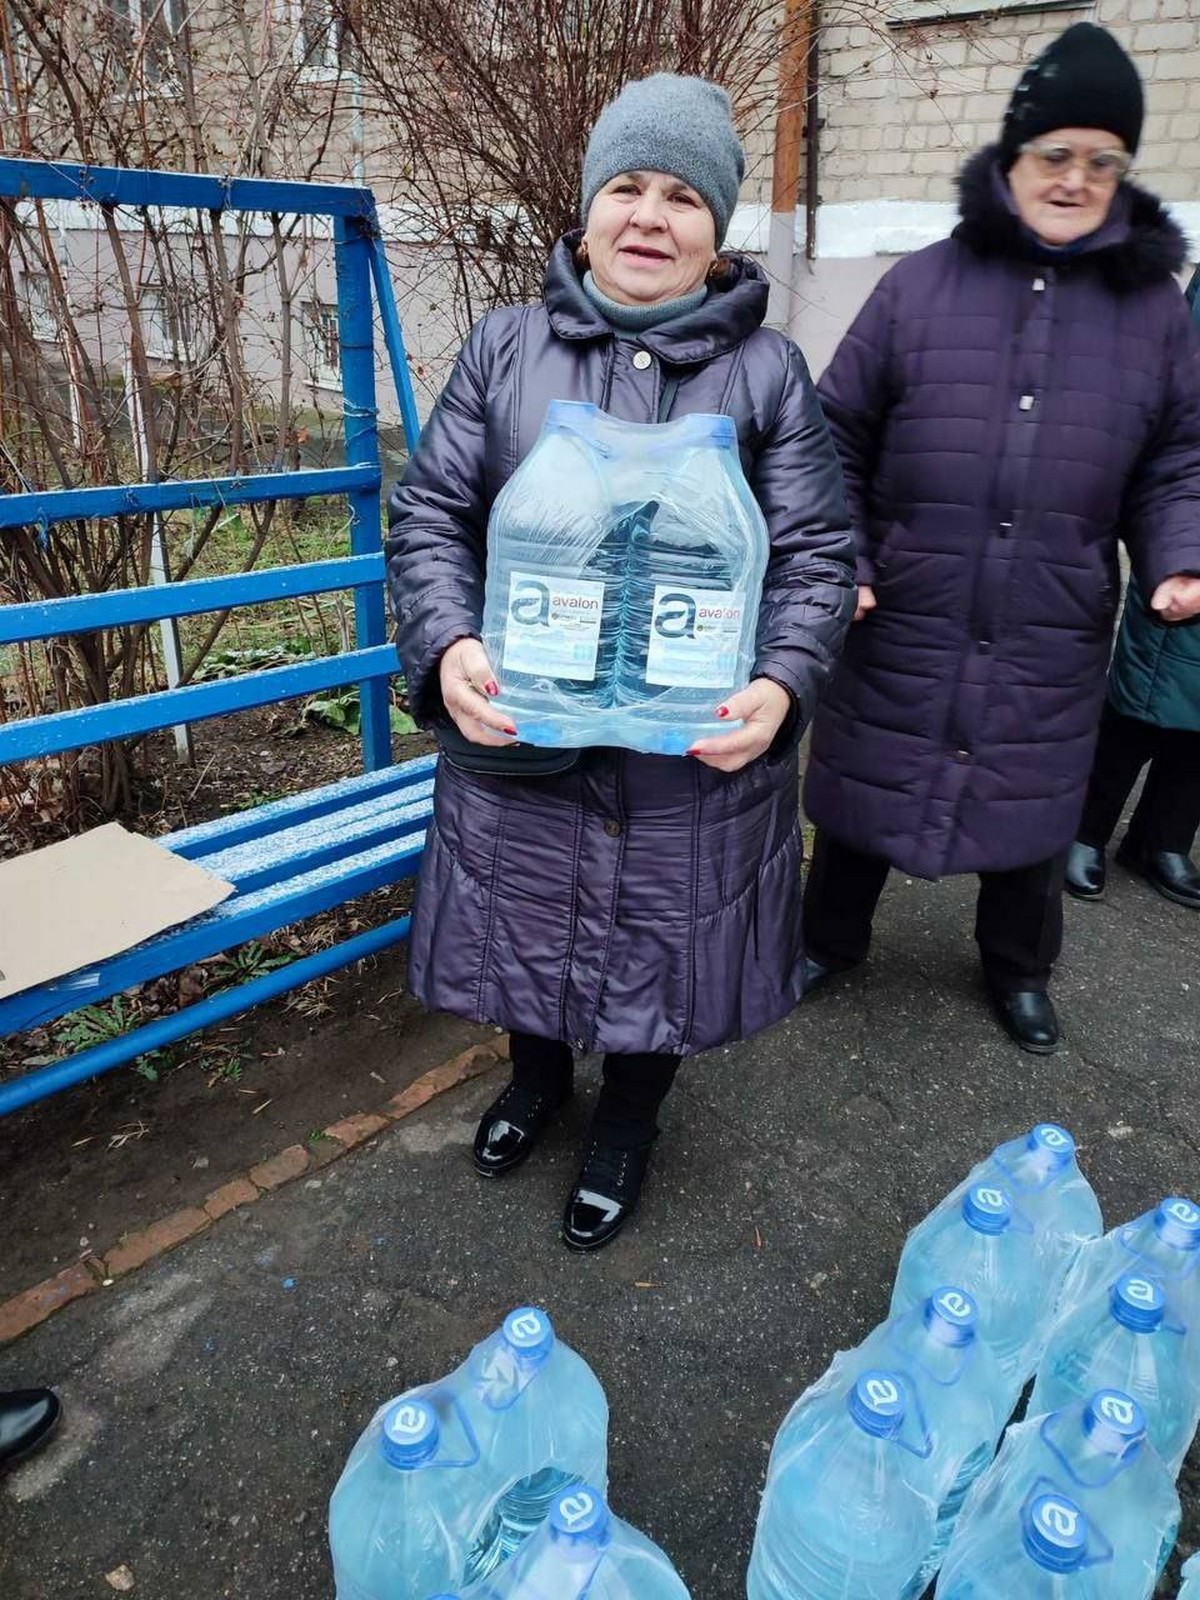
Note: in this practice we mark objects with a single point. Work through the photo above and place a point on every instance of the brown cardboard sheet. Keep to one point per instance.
(72, 904)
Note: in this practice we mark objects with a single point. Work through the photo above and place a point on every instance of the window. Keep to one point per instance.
(314, 35)
(901, 13)
(166, 326)
(149, 31)
(323, 340)
(43, 319)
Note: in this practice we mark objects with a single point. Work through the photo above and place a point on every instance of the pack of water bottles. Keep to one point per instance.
(882, 1475)
(624, 577)
(489, 1484)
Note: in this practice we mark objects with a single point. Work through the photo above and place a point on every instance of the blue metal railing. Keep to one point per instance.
(364, 286)
(307, 853)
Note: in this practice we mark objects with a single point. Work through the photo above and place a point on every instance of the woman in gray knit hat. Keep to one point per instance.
(642, 907)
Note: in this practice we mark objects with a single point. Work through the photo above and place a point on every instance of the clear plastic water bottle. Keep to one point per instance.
(1094, 1457)
(848, 1512)
(447, 1481)
(1041, 1172)
(959, 1389)
(552, 600)
(1191, 1579)
(1045, 1551)
(583, 1552)
(1124, 1340)
(986, 1246)
(624, 579)
(1163, 1244)
(693, 585)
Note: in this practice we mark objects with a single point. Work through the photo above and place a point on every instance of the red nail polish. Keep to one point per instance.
(510, 730)
(491, 687)
(722, 711)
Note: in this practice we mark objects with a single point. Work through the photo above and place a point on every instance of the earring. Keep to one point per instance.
(583, 249)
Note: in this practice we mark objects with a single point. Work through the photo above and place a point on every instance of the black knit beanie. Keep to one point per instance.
(1084, 79)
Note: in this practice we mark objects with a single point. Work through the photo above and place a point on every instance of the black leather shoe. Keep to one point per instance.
(605, 1195)
(27, 1419)
(817, 973)
(1174, 875)
(511, 1126)
(1086, 871)
(1027, 1015)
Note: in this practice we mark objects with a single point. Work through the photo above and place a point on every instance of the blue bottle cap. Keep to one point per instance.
(530, 1333)
(1138, 1303)
(1114, 1421)
(951, 1315)
(580, 1513)
(1177, 1222)
(410, 1433)
(876, 1403)
(1051, 1140)
(1055, 1533)
(987, 1208)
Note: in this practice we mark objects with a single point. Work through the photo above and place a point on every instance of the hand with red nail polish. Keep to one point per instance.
(468, 684)
(761, 708)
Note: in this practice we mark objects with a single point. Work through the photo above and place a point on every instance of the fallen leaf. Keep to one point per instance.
(120, 1578)
(645, 1283)
(757, 1238)
(262, 1107)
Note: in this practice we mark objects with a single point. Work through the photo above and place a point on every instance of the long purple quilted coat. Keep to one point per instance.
(631, 903)
(1001, 418)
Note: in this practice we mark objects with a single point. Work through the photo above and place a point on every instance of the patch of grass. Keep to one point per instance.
(250, 960)
(99, 1024)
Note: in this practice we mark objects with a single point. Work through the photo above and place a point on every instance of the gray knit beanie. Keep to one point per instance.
(668, 123)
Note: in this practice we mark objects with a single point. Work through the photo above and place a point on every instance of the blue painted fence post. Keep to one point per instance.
(352, 253)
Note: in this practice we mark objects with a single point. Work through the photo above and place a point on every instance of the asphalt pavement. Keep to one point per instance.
(211, 1397)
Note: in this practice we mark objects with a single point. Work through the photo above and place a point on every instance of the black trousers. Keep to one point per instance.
(634, 1087)
(1018, 916)
(1167, 815)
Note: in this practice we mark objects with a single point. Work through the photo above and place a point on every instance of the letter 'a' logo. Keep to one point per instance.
(527, 1326)
(1117, 1408)
(882, 1392)
(675, 616)
(576, 1508)
(530, 604)
(1061, 1518)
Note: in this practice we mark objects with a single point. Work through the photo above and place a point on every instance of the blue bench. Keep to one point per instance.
(296, 857)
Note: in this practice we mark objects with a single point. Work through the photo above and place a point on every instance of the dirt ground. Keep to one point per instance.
(78, 1170)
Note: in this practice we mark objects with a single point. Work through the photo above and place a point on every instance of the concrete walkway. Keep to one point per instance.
(213, 1394)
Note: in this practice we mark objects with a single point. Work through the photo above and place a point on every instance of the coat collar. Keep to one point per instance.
(734, 309)
(1138, 245)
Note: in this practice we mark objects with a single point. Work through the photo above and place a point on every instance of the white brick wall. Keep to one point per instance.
(901, 109)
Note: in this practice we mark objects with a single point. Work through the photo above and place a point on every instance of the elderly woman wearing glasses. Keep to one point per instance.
(1007, 404)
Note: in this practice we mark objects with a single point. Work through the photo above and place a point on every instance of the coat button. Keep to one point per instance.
(1039, 285)
(642, 360)
(1027, 402)
(613, 828)
(962, 755)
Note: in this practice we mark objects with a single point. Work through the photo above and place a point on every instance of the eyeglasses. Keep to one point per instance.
(1100, 166)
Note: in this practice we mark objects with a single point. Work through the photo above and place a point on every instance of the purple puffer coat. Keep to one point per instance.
(1001, 418)
(631, 902)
